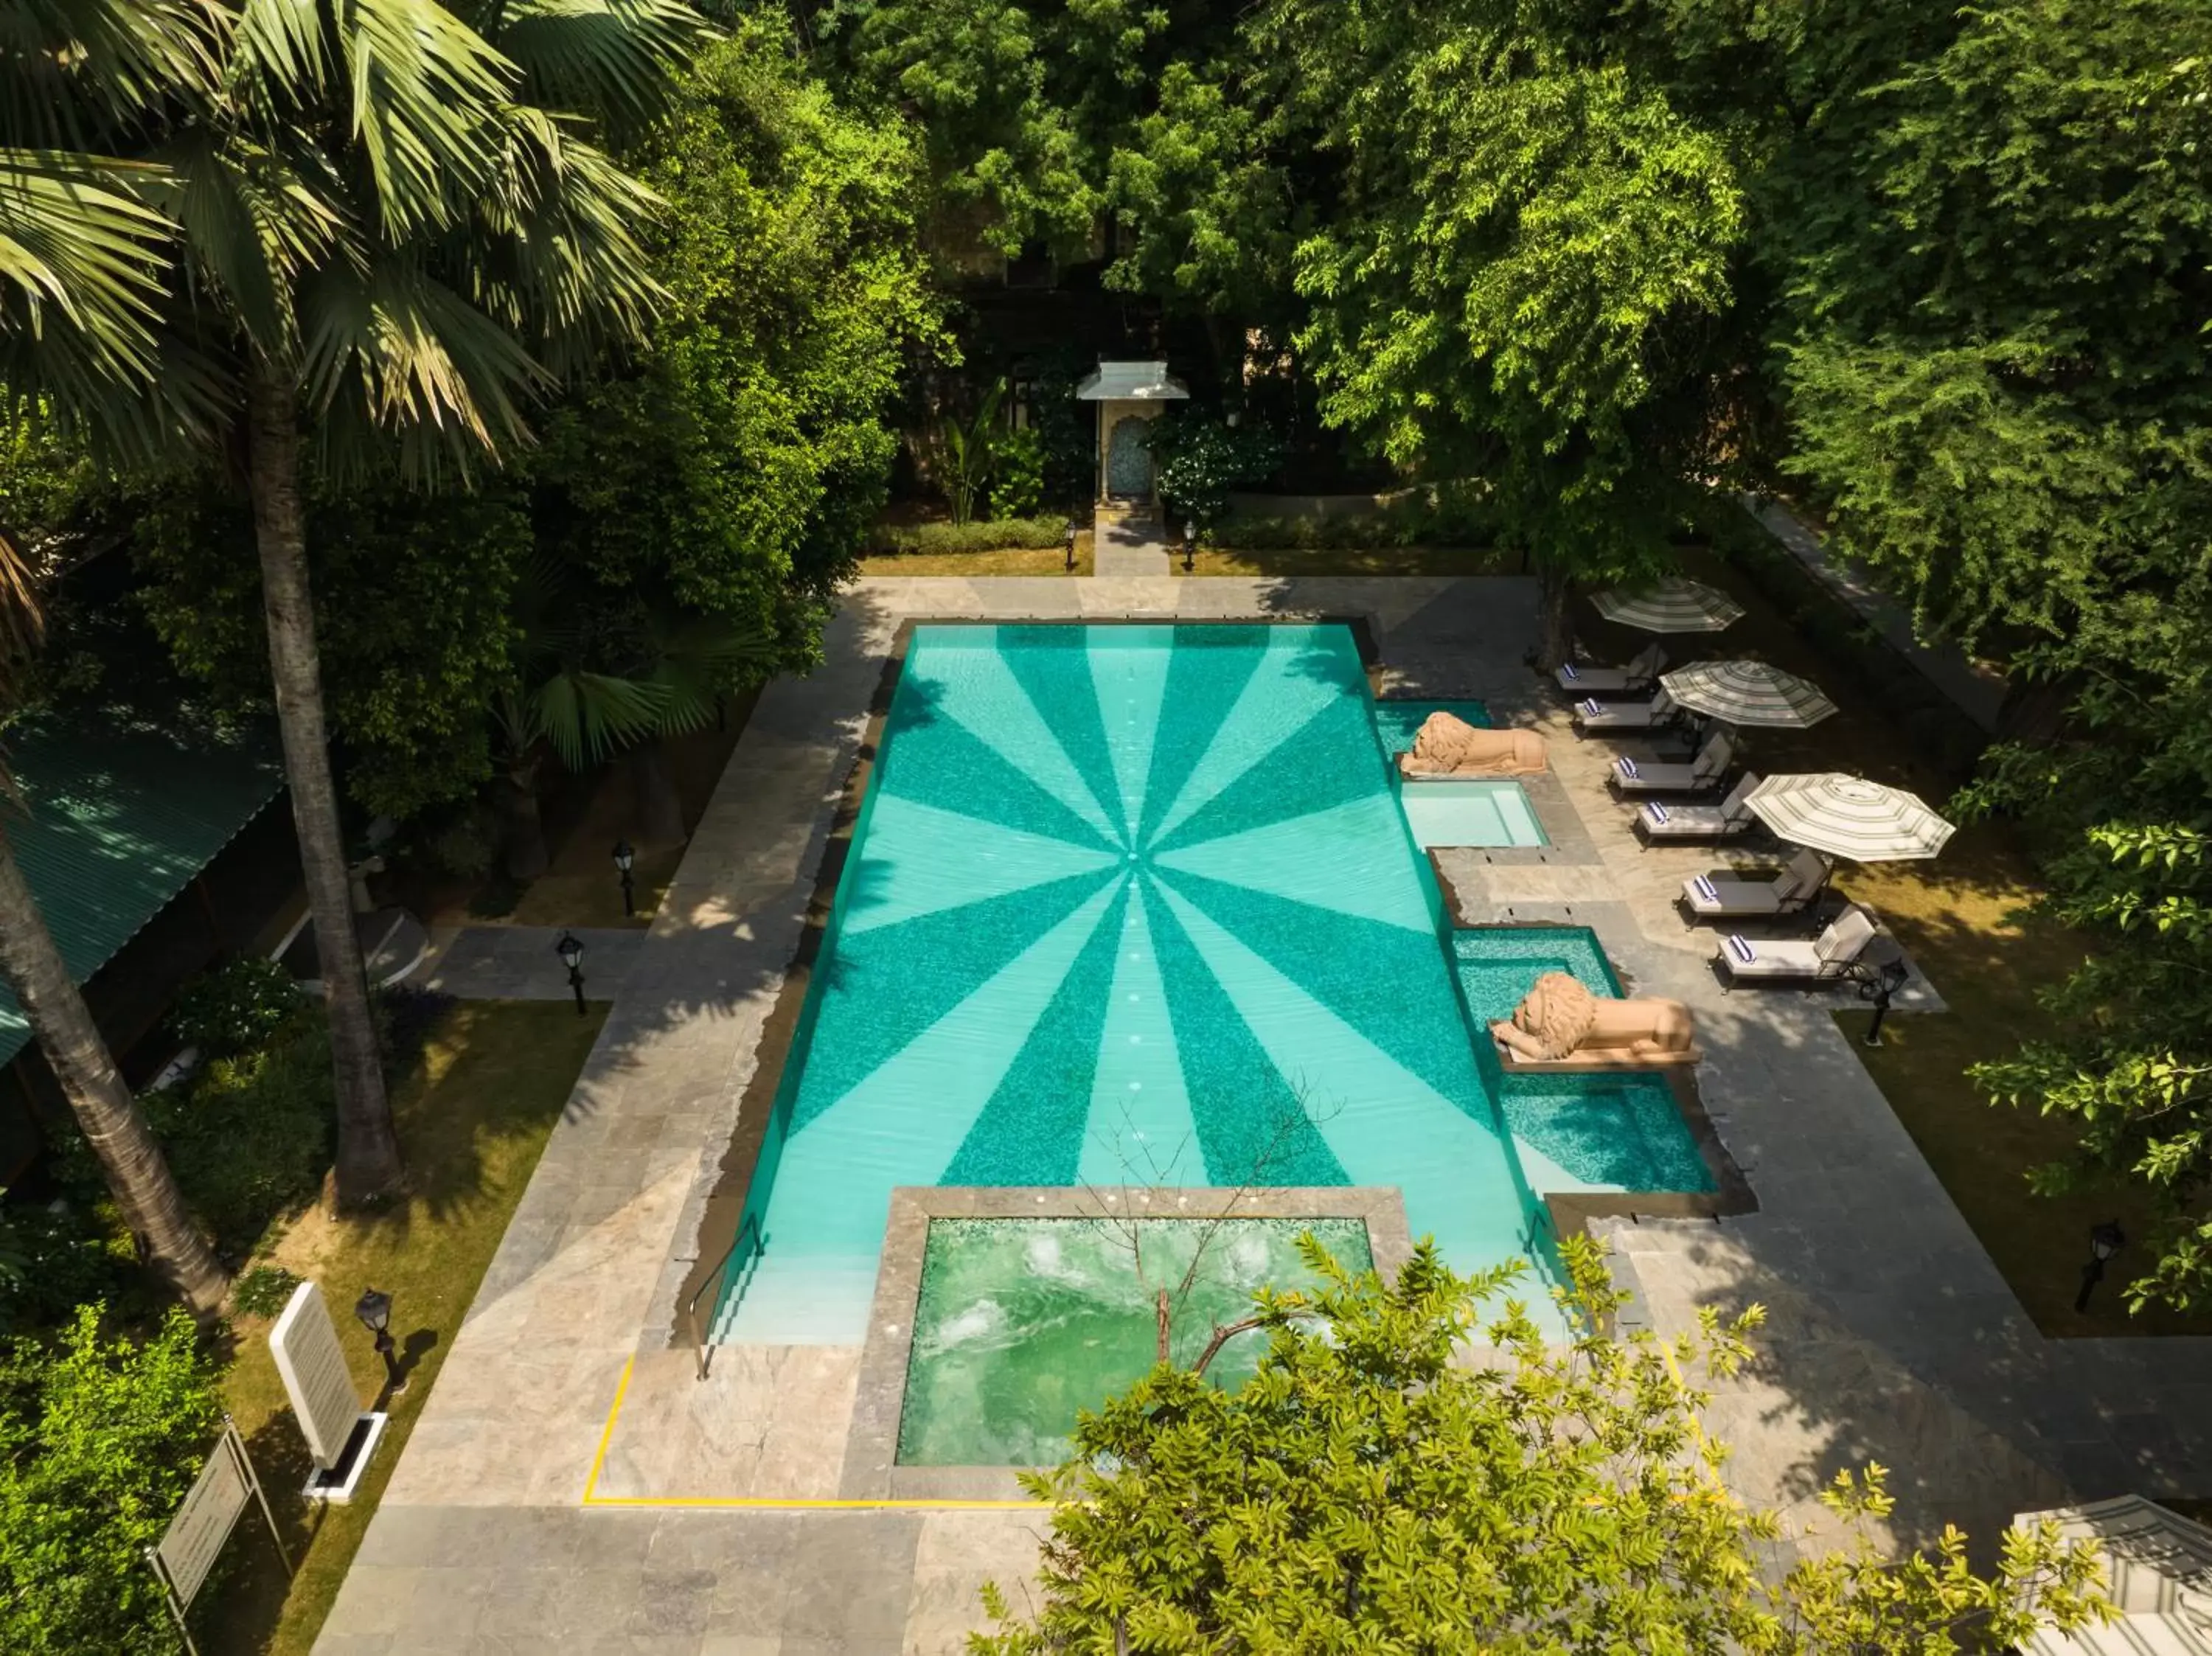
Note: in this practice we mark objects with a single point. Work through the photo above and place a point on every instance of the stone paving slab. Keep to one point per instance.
(518, 962)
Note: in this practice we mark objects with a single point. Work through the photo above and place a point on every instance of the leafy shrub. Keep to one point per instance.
(1448, 515)
(103, 1440)
(250, 1136)
(51, 1262)
(1199, 460)
(236, 1008)
(1018, 474)
(264, 1291)
(998, 535)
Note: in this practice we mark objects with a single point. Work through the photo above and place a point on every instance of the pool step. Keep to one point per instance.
(800, 1300)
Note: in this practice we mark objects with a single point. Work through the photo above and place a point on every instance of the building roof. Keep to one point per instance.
(121, 817)
(1130, 382)
(2161, 1569)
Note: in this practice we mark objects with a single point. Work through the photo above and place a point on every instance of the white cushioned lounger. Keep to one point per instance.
(1706, 898)
(1624, 715)
(1844, 940)
(1728, 818)
(1633, 775)
(1633, 675)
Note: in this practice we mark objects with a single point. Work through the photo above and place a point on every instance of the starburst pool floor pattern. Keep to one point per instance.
(1127, 905)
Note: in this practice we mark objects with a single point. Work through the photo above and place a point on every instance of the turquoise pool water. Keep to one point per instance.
(1397, 723)
(1454, 812)
(1574, 1132)
(1128, 905)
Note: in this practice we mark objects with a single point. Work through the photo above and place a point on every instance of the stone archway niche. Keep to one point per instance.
(1128, 396)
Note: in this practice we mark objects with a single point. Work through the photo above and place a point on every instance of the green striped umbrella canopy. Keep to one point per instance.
(1849, 816)
(1675, 605)
(1749, 693)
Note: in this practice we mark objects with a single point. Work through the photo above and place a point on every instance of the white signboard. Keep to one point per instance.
(203, 1524)
(314, 1366)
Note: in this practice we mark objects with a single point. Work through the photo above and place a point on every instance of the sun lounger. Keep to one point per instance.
(1705, 898)
(1602, 717)
(1743, 960)
(1702, 772)
(1628, 679)
(1655, 822)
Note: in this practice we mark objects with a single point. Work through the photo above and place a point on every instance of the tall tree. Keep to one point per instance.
(388, 248)
(81, 270)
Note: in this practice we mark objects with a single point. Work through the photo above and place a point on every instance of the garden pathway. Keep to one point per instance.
(1129, 546)
(526, 1508)
(518, 962)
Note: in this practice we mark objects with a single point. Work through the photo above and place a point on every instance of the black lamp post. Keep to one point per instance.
(1877, 984)
(625, 857)
(571, 949)
(2105, 1241)
(1071, 548)
(375, 1310)
(1189, 545)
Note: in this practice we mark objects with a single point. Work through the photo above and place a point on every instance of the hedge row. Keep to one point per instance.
(1001, 534)
(1449, 521)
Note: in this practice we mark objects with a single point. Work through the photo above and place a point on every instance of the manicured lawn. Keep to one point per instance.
(473, 1120)
(1012, 560)
(1353, 561)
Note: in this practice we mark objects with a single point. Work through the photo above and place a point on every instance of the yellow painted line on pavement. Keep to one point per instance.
(593, 1498)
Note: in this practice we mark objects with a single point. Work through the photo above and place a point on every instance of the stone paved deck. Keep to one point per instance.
(1893, 1334)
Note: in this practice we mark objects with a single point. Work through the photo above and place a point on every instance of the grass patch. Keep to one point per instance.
(1003, 561)
(473, 1120)
(1286, 560)
(1962, 917)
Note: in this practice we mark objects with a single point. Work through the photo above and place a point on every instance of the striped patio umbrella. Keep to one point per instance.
(1749, 693)
(1675, 605)
(1849, 816)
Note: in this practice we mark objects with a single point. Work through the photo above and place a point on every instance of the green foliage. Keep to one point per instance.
(263, 1291)
(51, 1261)
(99, 1439)
(238, 1007)
(966, 453)
(1018, 461)
(998, 535)
(1450, 514)
(736, 474)
(1367, 1490)
(1197, 459)
(412, 594)
(250, 1135)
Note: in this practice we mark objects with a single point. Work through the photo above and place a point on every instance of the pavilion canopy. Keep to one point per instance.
(1130, 382)
(2161, 1565)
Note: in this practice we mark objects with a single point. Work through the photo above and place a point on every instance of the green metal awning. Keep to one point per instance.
(122, 816)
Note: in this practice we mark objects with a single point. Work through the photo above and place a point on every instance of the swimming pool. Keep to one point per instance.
(1129, 905)
(1574, 1132)
(1456, 811)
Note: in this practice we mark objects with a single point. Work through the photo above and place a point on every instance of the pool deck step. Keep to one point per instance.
(799, 1300)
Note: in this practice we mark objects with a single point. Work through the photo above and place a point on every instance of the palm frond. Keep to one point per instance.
(424, 90)
(587, 716)
(611, 57)
(391, 349)
(73, 72)
(81, 251)
(22, 627)
(698, 657)
(559, 259)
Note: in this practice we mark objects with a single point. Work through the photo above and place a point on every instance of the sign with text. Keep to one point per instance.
(203, 1524)
(312, 1365)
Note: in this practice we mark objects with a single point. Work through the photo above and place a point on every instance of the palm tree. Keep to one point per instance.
(388, 249)
(82, 270)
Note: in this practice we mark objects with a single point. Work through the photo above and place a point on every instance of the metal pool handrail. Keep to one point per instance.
(717, 1279)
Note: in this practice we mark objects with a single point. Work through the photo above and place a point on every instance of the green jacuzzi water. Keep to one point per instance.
(1023, 1322)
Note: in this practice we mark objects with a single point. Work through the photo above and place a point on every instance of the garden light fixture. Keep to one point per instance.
(625, 858)
(2105, 1241)
(375, 1310)
(1071, 548)
(1189, 545)
(571, 949)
